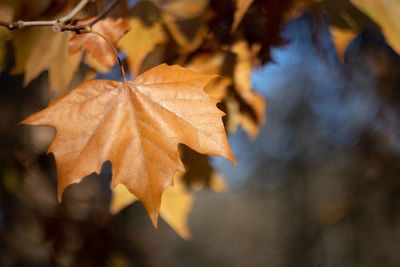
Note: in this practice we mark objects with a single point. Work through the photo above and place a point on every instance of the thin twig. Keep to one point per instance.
(59, 25)
(21, 24)
(62, 27)
(113, 47)
(75, 11)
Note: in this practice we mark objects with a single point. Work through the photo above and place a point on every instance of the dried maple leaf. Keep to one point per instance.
(97, 47)
(386, 14)
(139, 42)
(56, 60)
(137, 126)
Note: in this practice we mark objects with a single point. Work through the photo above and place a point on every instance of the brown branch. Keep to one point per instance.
(59, 25)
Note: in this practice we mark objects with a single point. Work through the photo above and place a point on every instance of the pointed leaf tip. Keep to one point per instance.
(154, 218)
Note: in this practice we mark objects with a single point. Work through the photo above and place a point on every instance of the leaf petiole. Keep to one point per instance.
(88, 29)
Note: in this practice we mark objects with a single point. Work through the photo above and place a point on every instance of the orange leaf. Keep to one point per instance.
(211, 64)
(386, 14)
(96, 46)
(136, 125)
(139, 42)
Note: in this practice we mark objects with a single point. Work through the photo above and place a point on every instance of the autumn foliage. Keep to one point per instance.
(137, 125)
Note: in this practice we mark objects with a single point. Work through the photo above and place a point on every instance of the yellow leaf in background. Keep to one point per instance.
(139, 42)
(189, 34)
(50, 52)
(341, 39)
(241, 8)
(176, 204)
(207, 63)
(23, 41)
(237, 118)
(386, 13)
(121, 197)
(186, 44)
(218, 87)
(218, 183)
(210, 63)
(242, 82)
